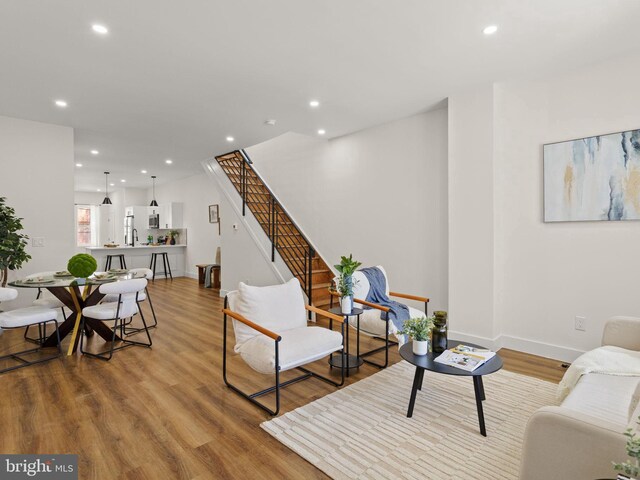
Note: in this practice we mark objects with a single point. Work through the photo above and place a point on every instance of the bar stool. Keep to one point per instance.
(24, 317)
(165, 262)
(107, 263)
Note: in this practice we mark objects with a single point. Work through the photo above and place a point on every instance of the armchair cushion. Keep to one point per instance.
(277, 308)
(298, 346)
(372, 324)
(622, 332)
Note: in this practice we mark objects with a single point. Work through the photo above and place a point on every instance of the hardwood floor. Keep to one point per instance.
(165, 413)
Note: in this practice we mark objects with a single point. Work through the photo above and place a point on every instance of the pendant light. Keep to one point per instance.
(153, 202)
(107, 200)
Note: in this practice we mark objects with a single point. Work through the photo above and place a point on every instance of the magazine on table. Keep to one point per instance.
(465, 357)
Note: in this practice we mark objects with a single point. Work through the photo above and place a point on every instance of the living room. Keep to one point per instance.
(416, 137)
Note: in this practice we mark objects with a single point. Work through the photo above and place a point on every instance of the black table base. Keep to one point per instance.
(353, 362)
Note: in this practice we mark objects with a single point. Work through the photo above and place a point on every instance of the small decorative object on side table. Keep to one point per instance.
(418, 329)
(346, 268)
(353, 361)
(427, 362)
(439, 332)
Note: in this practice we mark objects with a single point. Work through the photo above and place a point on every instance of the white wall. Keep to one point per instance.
(543, 274)
(380, 194)
(196, 193)
(37, 166)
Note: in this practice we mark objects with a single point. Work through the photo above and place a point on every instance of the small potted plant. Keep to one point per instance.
(174, 236)
(346, 269)
(418, 329)
(630, 468)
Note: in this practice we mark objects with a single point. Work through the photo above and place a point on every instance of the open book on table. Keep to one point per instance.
(465, 357)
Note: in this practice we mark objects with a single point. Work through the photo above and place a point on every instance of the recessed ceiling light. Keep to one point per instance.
(143, 171)
(271, 122)
(230, 139)
(321, 132)
(123, 180)
(78, 164)
(314, 103)
(490, 30)
(61, 103)
(168, 161)
(94, 152)
(112, 184)
(101, 29)
(98, 190)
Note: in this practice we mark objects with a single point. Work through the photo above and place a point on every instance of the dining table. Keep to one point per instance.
(76, 294)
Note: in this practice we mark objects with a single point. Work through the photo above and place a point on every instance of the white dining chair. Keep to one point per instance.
(125, 307)
(25, 317)
(45, 299)
(138, 273)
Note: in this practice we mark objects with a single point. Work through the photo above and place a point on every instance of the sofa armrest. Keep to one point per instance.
(622, 332)
(560, 443)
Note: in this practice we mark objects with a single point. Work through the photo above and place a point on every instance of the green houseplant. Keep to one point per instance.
(82, 266)
(418, 329)
(346, 269)
(13, 244)
(174, 236)
(631, 468)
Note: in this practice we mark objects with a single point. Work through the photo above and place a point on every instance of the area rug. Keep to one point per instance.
(362, 432)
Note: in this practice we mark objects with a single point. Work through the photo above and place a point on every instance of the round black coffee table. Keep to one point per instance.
(427, 362)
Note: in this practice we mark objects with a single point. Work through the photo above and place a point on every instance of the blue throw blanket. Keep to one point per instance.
(398, 312)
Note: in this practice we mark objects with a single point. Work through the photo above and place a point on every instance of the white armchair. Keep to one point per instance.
(272, 336)
(374, 322)
(580, 438)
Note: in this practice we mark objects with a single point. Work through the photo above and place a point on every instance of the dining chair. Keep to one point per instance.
(125, 306)
(26, 317)
(47, 300)
(138, 273)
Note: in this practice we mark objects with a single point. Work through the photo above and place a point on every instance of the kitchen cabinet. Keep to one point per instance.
(170, 215)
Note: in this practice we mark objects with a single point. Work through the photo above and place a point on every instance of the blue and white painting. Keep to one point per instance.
(593, 178)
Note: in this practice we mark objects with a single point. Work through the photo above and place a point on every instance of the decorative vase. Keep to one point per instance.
(439, 332)
(420, 347)
(173, 241)
(346, 304)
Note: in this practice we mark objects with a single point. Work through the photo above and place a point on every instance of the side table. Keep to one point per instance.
(353, 361)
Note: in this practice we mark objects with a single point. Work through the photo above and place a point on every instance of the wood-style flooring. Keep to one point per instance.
(165, 413)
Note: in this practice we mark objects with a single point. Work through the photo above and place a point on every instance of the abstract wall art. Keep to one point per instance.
(593, 178)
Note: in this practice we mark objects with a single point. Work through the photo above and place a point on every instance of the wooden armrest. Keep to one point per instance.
(363, 302)
(330, 315)
(409, 297)
(249, 323)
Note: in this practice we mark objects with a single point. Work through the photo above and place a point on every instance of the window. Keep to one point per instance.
(86, 225)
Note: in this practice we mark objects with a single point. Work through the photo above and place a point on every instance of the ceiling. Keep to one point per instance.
(174, 79)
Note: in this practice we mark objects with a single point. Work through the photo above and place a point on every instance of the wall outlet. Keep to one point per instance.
(37, 242)
(581, 323)
(235, 226)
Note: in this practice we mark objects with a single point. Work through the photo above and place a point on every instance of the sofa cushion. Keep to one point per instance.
(277, 308)
(372, 324)
(298, 346)
(603, 396)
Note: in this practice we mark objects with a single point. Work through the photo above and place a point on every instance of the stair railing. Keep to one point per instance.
(298, 258)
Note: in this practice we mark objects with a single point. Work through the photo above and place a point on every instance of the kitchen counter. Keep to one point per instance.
(140, 256)
(129, 247)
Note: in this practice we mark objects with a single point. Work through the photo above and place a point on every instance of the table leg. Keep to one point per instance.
(417, 380)
(358, 338)
(481, 388)
(346, 321)
(479, 391)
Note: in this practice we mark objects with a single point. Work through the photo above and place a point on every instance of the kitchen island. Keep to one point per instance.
(140, 256)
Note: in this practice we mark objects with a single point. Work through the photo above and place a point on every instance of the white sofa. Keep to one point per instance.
(579, 439)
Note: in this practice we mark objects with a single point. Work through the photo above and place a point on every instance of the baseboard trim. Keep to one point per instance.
(547, 350)
(223, 293)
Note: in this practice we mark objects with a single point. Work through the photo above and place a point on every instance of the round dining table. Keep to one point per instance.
(75, 294)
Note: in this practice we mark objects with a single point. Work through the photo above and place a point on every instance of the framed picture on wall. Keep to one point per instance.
(214, 214)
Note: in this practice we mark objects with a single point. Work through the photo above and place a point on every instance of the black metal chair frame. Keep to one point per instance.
(278, 385)
(26, 363)
(133, 330)
(119, 323)
(41, 332)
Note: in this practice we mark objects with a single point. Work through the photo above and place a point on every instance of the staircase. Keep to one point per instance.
(286, 238)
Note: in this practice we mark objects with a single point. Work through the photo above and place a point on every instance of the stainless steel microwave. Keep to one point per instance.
(154, 220)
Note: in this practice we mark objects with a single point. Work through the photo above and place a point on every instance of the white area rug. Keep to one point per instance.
(362, 430)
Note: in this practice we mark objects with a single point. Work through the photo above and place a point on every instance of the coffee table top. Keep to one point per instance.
(428, 361)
